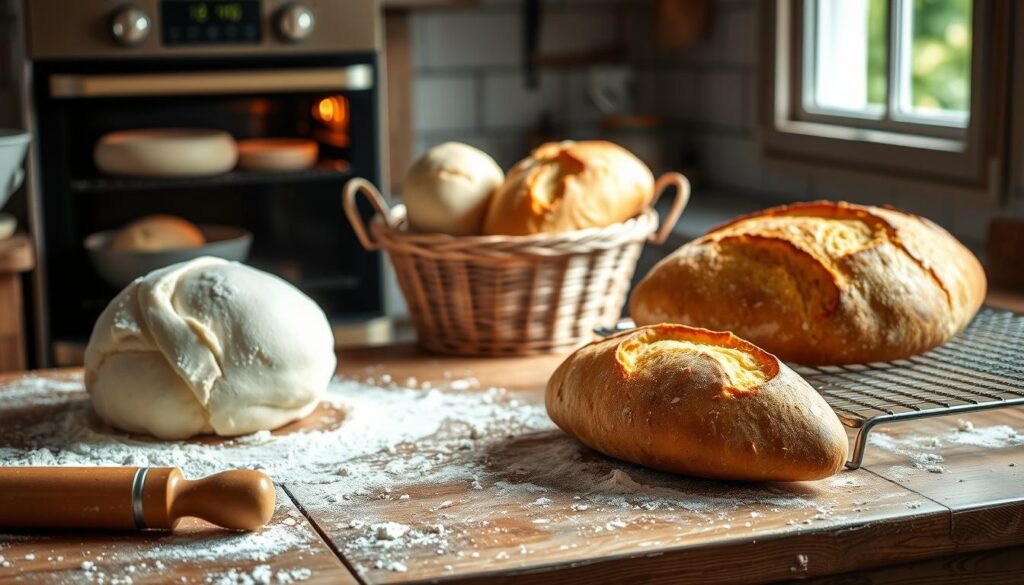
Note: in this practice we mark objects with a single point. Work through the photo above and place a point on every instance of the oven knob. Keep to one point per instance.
(295, 23)
(129, 25)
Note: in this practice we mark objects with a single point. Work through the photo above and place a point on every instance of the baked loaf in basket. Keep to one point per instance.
(820, 283)
(697, 402)
(566, 186)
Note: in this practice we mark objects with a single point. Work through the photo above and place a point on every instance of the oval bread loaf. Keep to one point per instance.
(820, 283)
(697, 402)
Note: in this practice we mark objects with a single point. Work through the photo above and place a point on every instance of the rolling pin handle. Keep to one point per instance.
(126, 498)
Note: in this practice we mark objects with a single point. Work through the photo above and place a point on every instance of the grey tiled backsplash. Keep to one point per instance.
(470, 87)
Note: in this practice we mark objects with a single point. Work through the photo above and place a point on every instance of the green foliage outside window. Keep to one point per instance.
(940, 54)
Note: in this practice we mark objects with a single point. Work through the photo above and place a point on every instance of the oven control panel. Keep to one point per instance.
(186, 22)
(147, 28)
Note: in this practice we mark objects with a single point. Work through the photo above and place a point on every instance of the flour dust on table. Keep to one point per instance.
(400, 441)
(923, 451)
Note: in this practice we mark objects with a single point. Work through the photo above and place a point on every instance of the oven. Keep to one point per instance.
(252, 68)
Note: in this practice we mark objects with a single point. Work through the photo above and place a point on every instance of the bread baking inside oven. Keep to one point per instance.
(820, 283)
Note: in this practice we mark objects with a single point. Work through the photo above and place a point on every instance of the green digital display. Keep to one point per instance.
(212, 21)
(199, 13)
(203, 12)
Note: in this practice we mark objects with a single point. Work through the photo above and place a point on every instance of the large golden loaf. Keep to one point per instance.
(820, 283)
(698, 402)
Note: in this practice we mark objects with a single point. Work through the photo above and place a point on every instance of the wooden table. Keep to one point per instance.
(885, 522)
(16, 257)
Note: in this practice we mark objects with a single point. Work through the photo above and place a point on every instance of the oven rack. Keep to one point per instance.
(979, 369)
(324, 171)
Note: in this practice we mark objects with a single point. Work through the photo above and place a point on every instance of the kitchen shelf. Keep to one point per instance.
(324, 171)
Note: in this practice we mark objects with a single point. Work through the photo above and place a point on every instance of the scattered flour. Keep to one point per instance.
(921, 450)
(381, 440)
(375, 419)
(259, 575)
(389, 530)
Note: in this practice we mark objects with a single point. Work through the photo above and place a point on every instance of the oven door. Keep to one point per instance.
(299, 231)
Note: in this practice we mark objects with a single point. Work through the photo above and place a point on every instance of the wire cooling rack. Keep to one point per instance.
(979, 369)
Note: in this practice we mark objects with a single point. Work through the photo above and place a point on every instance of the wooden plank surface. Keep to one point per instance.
(971, 464)
(16, 254)
(533, 506)
(992, 567)
(286, 550)
(525, 523)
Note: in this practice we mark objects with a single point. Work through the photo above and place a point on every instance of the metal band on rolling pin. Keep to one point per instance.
(138, 484)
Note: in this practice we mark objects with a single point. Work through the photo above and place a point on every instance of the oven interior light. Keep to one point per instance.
(332, 111)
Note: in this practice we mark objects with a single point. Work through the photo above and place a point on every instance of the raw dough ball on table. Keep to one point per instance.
(208, 346)
(448, 189)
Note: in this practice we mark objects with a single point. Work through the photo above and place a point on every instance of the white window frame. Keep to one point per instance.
(970, 155)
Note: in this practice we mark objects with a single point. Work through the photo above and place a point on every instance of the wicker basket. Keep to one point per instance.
(511, 295)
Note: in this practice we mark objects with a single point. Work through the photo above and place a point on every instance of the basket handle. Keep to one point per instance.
(348, 201)
(682, 185)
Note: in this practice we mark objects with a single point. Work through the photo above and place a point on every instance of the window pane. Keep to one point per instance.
(849, 38)
(940, 60)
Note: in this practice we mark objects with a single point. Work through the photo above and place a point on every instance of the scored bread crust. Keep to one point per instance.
(820, 283)
(679, 410)
(566, 186)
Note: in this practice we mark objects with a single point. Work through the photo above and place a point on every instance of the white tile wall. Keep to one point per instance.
(731, 161)
(739, 36)
(722, 100)
(678, 91)
(509, 103)
(468, 77)
(445, 102)
(579, 109)
(469, 87)
(577, 29)
(467, 38)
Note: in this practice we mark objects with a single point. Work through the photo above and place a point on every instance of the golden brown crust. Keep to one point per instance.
(820, 283)
(678, 410)
(565, 186)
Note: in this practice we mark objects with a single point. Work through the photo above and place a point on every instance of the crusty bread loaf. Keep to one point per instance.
(565, 186)
(698, 402)
(154, 233)
(820, 283)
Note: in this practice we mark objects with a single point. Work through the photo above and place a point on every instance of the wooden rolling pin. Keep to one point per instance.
(131, 498)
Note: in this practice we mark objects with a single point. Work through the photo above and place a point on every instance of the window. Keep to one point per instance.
(911, 86)
(902, 61)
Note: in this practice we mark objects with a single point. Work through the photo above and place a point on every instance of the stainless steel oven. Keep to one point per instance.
(254, 68)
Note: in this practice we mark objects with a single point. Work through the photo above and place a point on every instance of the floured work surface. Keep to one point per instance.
(426, 468)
